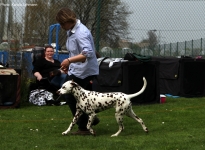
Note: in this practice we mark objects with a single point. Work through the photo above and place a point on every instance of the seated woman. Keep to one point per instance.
(47, 70)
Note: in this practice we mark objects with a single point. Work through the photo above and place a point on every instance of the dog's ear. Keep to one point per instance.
(73, 84)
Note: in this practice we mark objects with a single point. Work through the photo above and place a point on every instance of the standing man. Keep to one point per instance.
(82, 65)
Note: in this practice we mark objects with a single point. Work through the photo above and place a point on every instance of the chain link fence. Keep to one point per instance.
(151, 27)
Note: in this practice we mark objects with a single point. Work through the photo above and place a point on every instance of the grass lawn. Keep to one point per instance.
(177, 124)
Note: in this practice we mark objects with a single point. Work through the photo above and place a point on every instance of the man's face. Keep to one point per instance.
(67, 25)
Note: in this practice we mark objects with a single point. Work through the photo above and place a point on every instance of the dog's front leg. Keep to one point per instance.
(90, 120)
(75, 119)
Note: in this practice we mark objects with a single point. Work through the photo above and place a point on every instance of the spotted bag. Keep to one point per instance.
(40, 97)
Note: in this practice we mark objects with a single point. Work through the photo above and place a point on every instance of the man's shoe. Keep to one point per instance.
(81, 132)
(96, 121)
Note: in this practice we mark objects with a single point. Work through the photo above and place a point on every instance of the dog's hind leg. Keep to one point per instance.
(90, 120)
(131, 114)
(75, 119)
(119, 118)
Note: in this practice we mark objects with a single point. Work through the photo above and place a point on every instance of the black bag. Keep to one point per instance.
(130, 57)
(136, 57)
(40, 97)
(109, 76)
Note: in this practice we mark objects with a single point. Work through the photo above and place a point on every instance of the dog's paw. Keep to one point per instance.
(64, 133)
(94, 134)
(114, 135)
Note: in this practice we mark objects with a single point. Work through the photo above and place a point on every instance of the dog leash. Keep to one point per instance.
(58, 98)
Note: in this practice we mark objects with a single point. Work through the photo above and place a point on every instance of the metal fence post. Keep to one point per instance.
(201, 46)
(185, 48)
(177, 49)
(97, 40)
(51, 28)
(192, 47)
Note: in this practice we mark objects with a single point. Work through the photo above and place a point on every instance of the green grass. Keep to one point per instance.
(177, 124)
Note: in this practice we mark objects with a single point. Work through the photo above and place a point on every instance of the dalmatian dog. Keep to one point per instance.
(91, 102)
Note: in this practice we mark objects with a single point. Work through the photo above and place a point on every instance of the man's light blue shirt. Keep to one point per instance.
(80, 41)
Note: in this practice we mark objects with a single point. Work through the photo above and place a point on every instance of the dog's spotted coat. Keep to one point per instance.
(91, 101)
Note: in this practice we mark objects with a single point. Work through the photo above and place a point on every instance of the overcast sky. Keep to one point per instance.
(174, 20)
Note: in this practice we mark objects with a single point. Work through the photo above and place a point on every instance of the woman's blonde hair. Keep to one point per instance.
(65, 15)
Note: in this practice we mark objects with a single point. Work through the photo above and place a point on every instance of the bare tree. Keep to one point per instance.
(113, 24)
(10, 30)
(39, 18)
(36, 22)
(2, 19)
(152, 39)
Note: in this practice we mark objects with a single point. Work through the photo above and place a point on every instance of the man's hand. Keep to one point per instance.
(64, 65)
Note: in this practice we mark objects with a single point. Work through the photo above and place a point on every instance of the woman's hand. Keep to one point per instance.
(38, 76)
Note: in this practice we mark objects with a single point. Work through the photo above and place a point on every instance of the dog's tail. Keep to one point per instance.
(141, 91)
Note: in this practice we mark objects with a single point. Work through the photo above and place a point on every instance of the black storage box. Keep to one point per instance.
(127, 77)
(181, 76)
(10, 91)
